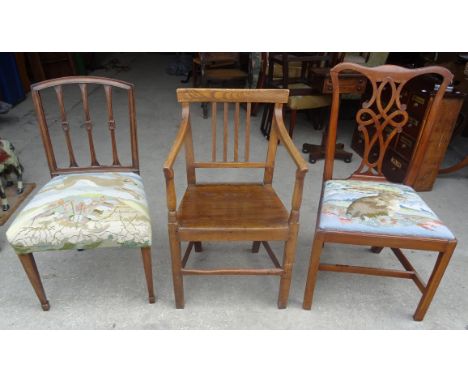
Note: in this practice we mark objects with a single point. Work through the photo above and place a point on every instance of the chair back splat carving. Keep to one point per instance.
(366, 209)
(382, 116)
(83, 82)
(91, 206)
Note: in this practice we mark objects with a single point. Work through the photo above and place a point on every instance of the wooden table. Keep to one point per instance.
(350, 83)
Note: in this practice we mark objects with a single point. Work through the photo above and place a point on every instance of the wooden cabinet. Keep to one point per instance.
(398, 159)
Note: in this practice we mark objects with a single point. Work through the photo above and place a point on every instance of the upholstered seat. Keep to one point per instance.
(378, 208)
(84, 211)
(303, 102)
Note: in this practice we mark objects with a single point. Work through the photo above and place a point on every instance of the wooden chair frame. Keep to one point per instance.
(27, 260)
(395, 77)
(184, 138)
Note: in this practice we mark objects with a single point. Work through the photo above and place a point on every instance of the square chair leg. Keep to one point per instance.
(434, 281)
(317, 247)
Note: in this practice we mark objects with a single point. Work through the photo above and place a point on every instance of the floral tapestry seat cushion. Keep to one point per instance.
(82, 211)
(378, 208)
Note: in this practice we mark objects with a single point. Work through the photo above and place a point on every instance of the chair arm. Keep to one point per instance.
(301, 165)
(284, 137)
(169, 163)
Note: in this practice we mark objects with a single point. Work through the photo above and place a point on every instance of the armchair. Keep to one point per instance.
(232, 211)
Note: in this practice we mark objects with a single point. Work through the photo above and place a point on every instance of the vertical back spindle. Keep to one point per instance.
(236, 132)
(247, 132)
(225, 145)
(213, 131)
(88, 123)
(133, 128)
(111, 123)
(65, 125)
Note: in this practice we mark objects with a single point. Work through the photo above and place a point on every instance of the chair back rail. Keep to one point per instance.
(231, 100)
(381, 118)
(83, 82)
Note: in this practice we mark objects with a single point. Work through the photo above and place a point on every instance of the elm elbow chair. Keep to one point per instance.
(365, 209)
(84, 207)
(232, 211)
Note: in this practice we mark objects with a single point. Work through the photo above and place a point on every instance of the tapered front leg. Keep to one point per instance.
(434, 281)
(30, 267)
(148, 266)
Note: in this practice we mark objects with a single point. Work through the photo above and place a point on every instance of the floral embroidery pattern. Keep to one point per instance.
(84, 211)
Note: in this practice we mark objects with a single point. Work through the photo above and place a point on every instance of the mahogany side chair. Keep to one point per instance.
(232, 211)
(90, 206)
(365, 209)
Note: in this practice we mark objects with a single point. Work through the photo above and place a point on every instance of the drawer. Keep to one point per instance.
(405, 146)
(394, 167)
(412, 127)
(416, 106)
(353, 85)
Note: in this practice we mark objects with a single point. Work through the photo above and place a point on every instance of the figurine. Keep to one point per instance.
(9, 163)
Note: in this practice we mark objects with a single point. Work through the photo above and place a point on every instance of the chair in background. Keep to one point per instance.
(293, 71)
(232, 211)
(360, 58)
(84, 207)
(367, 210)
(220, 69)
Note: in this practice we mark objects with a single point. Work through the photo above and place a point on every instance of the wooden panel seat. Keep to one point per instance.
(235, 209)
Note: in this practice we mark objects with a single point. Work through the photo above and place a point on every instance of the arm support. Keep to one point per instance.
(288, 143)
(169, 163)
(301, 164)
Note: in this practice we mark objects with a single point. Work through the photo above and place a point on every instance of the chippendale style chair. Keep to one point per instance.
(365, 209)
(84, 207)
(232, 211)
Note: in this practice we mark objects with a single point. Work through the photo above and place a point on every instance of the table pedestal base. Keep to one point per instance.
(318, 152)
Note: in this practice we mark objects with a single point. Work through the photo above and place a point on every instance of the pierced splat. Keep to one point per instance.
(65, 126)
(379, 120)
